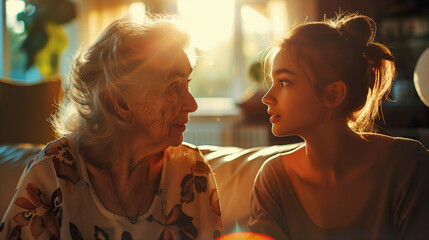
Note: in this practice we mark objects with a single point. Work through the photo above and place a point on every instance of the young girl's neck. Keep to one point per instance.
(333, 149)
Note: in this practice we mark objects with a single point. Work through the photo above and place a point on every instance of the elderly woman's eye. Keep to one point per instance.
(174, 86)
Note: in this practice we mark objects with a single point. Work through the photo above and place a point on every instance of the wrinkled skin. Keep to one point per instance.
(161, 114)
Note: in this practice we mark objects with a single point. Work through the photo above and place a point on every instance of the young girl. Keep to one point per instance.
(329, 80)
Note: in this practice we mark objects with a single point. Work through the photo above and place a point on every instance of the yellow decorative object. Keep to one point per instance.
(47, 59)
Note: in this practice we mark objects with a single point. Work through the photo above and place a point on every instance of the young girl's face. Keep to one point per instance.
(293, 104)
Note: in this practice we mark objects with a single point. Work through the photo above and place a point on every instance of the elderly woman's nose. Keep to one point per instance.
(189, 104)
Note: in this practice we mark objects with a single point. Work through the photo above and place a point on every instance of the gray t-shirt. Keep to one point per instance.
(398, 208)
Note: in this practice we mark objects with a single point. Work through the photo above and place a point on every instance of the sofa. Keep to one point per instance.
(26, 121)
(235, 169)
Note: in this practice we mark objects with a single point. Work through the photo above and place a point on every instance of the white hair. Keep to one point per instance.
(115, 63)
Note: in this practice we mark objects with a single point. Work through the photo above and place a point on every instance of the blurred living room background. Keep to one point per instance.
(40, 37)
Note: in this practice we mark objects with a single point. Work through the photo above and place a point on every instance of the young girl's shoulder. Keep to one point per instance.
(398, 144)
(410, 148)
(276, 163)
(404, 144)
(403, 153)
(291, 157)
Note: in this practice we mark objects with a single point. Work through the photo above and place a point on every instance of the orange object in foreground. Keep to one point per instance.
(245, 236)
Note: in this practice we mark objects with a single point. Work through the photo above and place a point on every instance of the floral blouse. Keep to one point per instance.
(55, 200)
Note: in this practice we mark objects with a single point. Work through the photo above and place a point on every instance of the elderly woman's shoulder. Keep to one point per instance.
(61, 146)
(186, 151)
(186, 147)
(189, 146)
(59, 154)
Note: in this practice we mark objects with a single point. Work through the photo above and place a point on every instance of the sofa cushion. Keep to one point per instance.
(235, 169)
(25, 110)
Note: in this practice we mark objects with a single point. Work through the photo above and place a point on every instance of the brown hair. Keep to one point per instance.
(344, 49)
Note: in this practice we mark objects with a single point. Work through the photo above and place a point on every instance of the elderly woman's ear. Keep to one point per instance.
(121, 106)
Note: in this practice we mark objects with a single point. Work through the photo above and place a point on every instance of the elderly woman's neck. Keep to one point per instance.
(122, 155)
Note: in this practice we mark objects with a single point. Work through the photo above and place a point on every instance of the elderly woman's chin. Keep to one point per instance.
(175, 137)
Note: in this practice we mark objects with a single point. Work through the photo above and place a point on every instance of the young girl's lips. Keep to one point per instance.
(274, 118)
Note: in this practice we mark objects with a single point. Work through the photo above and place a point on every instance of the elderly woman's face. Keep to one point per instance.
(161, 114)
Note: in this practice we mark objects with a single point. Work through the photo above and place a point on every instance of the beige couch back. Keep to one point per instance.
(235, 169)
(25, 109)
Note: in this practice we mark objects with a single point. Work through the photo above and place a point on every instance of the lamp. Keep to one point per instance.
(421, 77)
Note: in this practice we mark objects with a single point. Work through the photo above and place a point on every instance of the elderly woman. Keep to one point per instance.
(120, 170)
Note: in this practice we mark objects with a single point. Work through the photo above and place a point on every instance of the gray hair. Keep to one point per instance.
(115, 63)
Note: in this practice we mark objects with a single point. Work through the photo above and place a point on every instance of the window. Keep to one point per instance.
(65, 39)
(229, 37)
(13, 30)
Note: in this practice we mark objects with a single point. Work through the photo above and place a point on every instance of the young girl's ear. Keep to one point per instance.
(335, 94)
(121, 106)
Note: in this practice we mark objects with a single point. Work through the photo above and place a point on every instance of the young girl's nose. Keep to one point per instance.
(268, 98)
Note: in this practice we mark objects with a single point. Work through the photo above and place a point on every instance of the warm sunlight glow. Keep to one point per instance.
(253, 24)
(209, 21)
(244, 236)
(277, 10)
(13, 7)
(99, 19)
(137, 10)
(254, 21)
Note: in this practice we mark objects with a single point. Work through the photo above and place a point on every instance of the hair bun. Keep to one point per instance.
(375, 51)
(359, 30)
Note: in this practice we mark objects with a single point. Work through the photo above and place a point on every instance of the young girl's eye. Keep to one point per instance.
(284, 82)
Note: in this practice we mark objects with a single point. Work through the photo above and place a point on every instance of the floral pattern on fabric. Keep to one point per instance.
(31, 163)
(214, 202)
(186, 205)
(99, 234)
(64, 163)
(187, 192)
(197, 179)
(40, 214)
(75, 234)
(177, 221)
(126, 236)
(200, 171)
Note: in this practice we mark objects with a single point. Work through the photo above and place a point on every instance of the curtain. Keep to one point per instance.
(95, 15)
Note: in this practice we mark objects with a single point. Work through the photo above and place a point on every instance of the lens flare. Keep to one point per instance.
(245, 236)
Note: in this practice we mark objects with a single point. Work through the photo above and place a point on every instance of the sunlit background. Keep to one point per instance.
(229, 37)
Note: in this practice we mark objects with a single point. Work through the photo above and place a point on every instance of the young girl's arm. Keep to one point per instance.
(265, 205)
(411, 200)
